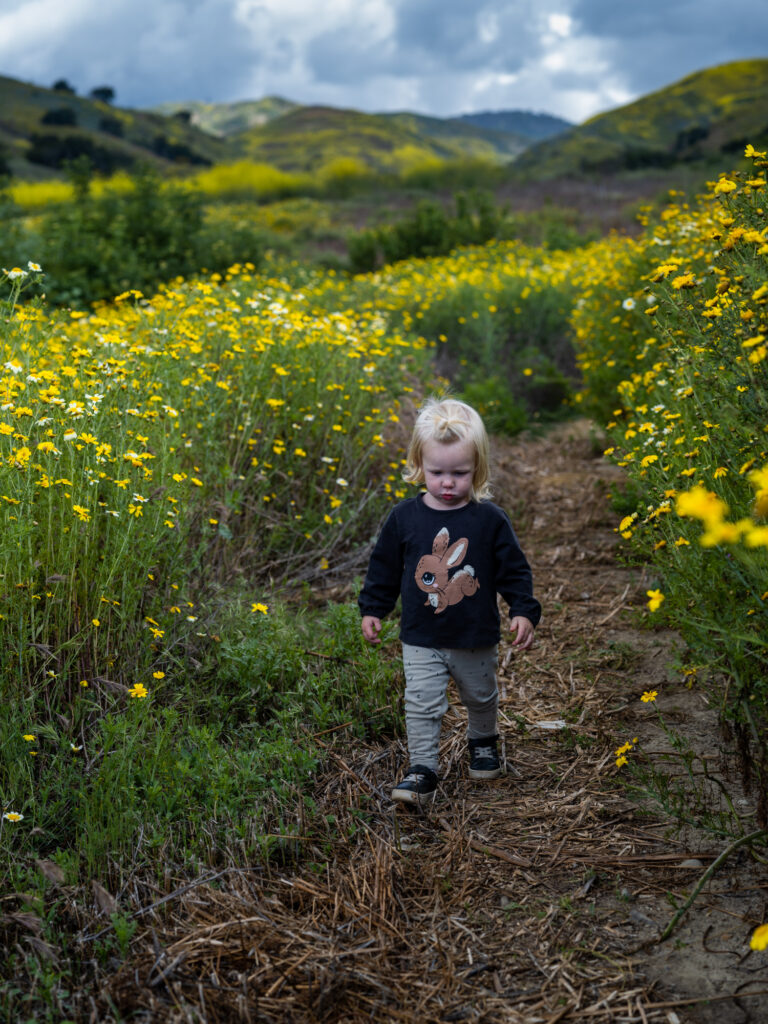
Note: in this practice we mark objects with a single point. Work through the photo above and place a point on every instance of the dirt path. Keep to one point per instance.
(535, 899)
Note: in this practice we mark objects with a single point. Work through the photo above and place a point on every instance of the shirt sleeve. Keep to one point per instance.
(514, 580)
(381, 588)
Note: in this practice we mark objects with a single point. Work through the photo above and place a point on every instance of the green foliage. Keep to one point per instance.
(363, 252)
(493, 399)
(672, 343)
(96, 248)
(10, 224)
(218, 760)
(428, 230)
(514, 361)
(202, 774)
(552, 227)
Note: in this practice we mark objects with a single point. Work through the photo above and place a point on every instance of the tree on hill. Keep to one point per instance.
(103, 93)
(62, 85)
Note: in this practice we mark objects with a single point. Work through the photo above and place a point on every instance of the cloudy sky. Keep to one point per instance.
(573, 58)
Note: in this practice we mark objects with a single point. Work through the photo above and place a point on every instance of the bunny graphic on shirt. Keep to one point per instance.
(433, 573)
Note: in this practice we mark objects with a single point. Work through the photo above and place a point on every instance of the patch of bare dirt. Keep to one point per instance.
(534, 899)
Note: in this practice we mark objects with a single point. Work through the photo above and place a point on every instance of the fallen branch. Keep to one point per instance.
(744, 841)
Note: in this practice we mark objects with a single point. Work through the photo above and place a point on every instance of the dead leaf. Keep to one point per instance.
(111, 685)
(26, 919)
(44, 948)
(106, 902)
(51, 871)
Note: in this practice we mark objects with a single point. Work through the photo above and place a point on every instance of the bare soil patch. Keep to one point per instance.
(533, 899)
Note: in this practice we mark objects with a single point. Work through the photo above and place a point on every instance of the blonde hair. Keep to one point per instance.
(447, 420)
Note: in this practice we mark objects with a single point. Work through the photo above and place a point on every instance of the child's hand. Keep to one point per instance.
(372, 628)
(524, 629)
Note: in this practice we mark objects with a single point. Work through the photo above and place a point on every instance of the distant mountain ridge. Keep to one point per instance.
(309, 138)
(525, 123)
(705, 115)
(507, 131)
(42, 129)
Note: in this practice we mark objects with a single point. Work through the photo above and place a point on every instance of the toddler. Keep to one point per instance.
(447, 553)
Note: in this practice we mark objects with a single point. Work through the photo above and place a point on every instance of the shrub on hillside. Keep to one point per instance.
(97, 248)
(111, 125)
(59, 115)
(57, 150)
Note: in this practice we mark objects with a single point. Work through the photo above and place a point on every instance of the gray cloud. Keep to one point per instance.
(569, 57)
(145, 50)
(489, 35)
(438, 47)
(658, 42)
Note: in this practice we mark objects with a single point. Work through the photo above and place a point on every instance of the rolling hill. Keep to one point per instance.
(307, 138)
(709, 115)
(705, 116)
(42, 128)
(225, 119)
(496, 136)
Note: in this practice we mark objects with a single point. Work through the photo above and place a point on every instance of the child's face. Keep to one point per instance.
(448, 472)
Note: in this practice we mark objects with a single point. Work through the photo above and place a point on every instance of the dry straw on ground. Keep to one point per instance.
(534, 899)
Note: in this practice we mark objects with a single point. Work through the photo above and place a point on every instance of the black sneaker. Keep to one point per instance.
(418, 786)
(484, 758)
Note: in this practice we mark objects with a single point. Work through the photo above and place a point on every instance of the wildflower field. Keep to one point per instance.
(170, 461)
(671, 335)
(156, 457)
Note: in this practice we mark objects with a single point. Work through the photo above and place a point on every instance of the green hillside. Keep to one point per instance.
(706, 115)
(453, 136)
(42, 128)
(307, 138)
(224, 119)
(466, 138)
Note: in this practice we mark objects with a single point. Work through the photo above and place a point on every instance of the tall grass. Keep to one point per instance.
(219, 435)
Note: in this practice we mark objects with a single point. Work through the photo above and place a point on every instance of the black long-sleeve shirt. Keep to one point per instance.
(448, 566)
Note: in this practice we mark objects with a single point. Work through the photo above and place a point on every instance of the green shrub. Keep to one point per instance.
(363, 252)
(493, 399)
(97, 248)
(428, 230)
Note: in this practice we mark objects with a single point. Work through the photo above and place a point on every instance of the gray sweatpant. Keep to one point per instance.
(427, 671)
